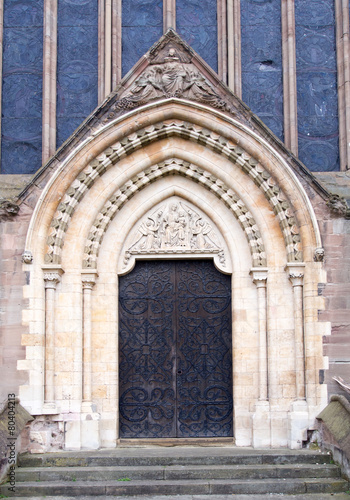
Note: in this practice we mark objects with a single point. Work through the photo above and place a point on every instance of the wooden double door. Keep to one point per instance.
(175, 361)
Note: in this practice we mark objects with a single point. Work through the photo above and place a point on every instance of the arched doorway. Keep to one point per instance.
(175, 351)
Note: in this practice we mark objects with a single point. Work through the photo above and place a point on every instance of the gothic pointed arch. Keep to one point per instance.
(171, 133)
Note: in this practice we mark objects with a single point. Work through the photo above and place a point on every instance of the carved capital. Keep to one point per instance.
(52, 276)
(295, 272)
(88, 279)
(297, 279)
(51, 280)
(259, 276)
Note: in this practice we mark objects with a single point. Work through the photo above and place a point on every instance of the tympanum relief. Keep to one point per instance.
(174, 228)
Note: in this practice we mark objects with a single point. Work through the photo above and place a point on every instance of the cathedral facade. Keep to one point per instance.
(175, 235)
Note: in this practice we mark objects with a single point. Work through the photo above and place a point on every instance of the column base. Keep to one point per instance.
(262, 425)
(298, 423)
(90, 426)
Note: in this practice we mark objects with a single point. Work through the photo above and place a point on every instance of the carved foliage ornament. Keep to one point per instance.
(175, 227)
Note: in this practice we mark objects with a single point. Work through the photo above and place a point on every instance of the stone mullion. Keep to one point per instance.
(296, 276)
(110, 46)
(116, 42)
(101, 50)
(49, 79)
(88, 281)
(260, 280)
(289, 76)
(51, 278)
(169, 14)
(1, 52)
(222, 40)
(234, 46)
(343, 78)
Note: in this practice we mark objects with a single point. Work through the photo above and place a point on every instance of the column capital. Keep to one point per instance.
(88, 278)
(52, 275)
(259, 276)
(295, 272)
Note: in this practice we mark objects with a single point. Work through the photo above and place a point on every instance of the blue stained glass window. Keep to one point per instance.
(22, 86)
(77, 63)
(142, 26)
(318, 134)
(262, 84)
(196, 23)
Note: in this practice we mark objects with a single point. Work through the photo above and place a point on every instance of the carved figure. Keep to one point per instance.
(172, 226)
(319, 255)
(27, 257)
(7, 207)
(339, 205)
(171, 79)
(175, 227)
(148, 239)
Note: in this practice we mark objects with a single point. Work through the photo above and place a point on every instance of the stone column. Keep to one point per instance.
(88, 281)
(169, 14)
(261, 417)
(296, 277)
(298, 416)
(260, 280)
(89, 425)
(52, 277)
(289, 76)
(234, 46)
(343, 67)
(49, 80)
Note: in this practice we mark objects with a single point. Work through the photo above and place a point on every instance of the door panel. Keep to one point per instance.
(204, 375)
(175, 351)
(147, 351)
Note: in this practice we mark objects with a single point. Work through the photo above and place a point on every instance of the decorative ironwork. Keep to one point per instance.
(204, 381)
(175, 351)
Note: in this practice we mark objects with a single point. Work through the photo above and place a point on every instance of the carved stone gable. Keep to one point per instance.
(172, 69)
(171, 79)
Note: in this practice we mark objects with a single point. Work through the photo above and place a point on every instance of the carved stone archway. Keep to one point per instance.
(184, 137)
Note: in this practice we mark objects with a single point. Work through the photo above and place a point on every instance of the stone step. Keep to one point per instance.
(304, 496)
(179, 487)
(175, 472)
(173, 456)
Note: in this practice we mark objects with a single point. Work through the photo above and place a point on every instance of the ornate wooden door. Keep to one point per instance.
(175, 362)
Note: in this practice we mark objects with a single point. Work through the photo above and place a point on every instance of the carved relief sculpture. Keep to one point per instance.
(175, 227)
(171, 78)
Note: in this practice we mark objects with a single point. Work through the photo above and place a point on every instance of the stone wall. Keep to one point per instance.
(13, 230)
(335, 233)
